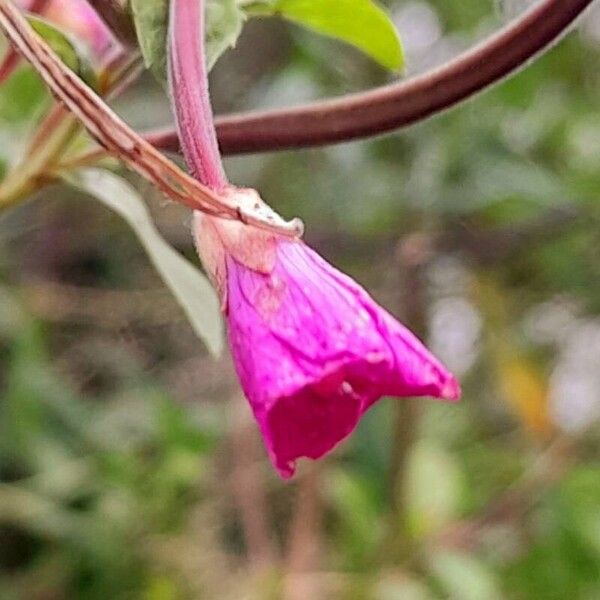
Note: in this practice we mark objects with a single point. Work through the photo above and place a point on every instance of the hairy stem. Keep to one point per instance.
(401, 104)
(188, 84)
(12, 59)
(112, 133)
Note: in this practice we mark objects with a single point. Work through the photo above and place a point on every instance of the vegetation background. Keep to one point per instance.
(130, 466)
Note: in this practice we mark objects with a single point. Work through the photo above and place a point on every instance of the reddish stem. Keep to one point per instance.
(9, 64)
(12, 58)
(188, 82)
(401, 104)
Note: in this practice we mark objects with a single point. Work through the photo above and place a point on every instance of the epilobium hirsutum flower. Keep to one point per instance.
(312, 349)
(76, 17)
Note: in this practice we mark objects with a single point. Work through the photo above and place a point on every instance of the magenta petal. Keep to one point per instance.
(314, 351)
(78, 17)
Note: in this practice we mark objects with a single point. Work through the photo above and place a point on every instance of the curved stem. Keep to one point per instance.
(12, 58)
(401, 104)
(188, 86)
(115, 135)
(54, 135)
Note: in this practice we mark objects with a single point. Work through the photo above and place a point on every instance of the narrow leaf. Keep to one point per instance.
(151, 23)
(58, 41)
(71, 53)
(189, 286)
(361, 23)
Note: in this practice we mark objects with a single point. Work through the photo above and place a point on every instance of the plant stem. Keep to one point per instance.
(27, 176)
(115, 135)
(9, 63)
(53, 136)
(51, 121)
(12, 59)
(188, 83)
(401, 104)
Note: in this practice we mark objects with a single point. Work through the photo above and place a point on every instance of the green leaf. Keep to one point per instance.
(57, 40)
(361, 23)
(22, 97)
(70, 53)
(224, 21)
(151, 24)
(189, 286)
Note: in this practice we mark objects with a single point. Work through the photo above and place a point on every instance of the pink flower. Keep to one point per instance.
(79, 18)
(312, 349)
(76, 17)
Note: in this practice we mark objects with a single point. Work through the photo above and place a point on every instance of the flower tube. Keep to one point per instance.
(312, 349)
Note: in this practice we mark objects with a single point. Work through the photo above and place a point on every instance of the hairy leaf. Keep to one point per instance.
(151, 22)
(189, 286)
(224, 20)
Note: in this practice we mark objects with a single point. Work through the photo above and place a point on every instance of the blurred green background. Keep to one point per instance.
(130, 466)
